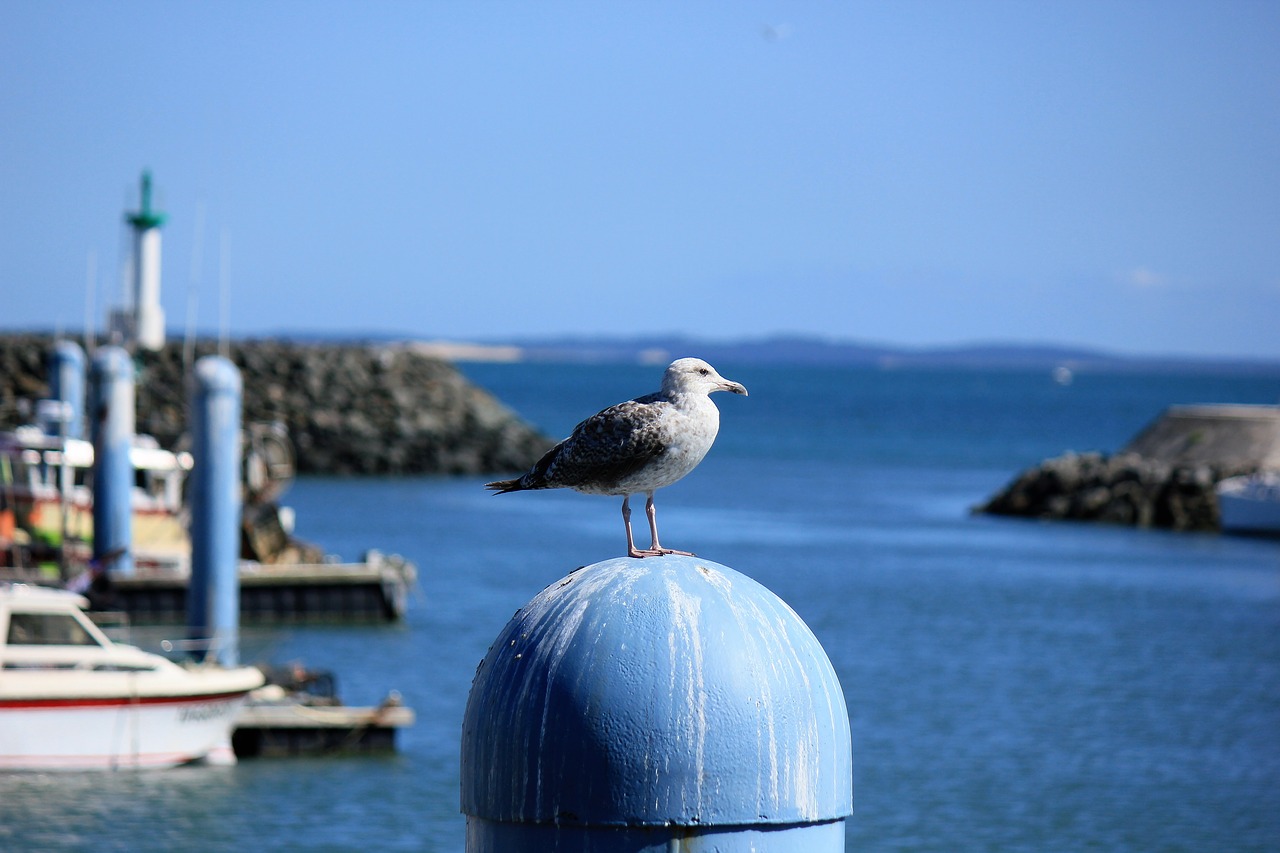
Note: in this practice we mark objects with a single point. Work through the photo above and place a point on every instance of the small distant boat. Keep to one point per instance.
(1251, 504)
(71, 699)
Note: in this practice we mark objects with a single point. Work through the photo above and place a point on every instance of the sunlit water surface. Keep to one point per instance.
(1012, 685)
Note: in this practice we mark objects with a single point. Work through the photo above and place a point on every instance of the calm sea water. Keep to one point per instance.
(1012, 685)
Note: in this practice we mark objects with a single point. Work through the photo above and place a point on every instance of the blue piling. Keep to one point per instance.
(213, 595)
(112, 430)
(656, 705)
(66, 384)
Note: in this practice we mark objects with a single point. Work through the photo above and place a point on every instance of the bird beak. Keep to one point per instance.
(735, 387)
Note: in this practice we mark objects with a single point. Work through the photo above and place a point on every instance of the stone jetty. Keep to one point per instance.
(351, 409)
(1165, 477)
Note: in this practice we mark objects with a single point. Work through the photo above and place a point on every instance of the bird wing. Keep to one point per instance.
(608, 446)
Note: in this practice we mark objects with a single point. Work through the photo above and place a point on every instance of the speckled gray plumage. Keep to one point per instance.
(638, 446)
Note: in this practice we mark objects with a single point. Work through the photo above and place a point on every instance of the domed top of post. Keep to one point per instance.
(660, 692)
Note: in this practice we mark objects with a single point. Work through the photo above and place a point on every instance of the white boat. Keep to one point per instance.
(71, 699)
(1251, 504)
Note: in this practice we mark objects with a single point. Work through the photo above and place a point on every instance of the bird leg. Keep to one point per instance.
(632, 550)
(626, 521)
(656, 549)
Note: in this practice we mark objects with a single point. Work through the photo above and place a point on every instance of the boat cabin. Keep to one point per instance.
(46, 629)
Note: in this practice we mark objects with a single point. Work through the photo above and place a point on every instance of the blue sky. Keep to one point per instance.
(1102, 174)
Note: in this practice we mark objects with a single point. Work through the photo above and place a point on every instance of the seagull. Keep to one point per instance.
(637, 446)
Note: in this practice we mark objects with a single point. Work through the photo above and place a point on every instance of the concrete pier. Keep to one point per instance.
(1166, 476)
(1223, 436)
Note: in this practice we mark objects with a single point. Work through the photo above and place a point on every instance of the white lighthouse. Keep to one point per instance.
(145, 325)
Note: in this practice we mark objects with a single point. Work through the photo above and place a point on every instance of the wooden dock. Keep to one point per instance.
(376, 590)
(282, 729)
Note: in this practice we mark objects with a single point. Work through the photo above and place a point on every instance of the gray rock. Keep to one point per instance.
(1122, 489)
(349, 408)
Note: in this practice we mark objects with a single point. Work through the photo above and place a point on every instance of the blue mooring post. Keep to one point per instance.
(66, 383)
(664, 704)
(213, 595)
(112, 430)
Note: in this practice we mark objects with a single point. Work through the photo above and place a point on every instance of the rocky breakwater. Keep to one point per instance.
(1165, 477)
(350, 409)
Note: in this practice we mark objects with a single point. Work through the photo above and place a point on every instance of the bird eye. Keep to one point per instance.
(703, 371)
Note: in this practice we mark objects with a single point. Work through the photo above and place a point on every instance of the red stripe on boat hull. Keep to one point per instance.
(110, 701)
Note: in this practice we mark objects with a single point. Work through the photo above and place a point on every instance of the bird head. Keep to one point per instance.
(695, 376)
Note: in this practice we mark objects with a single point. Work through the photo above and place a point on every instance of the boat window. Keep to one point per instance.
(47, 629)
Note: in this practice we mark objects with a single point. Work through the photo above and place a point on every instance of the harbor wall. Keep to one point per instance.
(351, 409)
(1166, 476)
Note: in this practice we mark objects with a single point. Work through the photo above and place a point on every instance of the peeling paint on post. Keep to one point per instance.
(656, 705)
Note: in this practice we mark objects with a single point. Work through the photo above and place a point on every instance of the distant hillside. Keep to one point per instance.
(803, 350)
(781, 349)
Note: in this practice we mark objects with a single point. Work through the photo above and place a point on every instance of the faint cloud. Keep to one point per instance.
(775, 32)
(1143, 277)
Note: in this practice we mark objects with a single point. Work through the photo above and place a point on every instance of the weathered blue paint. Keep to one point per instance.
(66, 383)
(213, 596)
(112, 431)
(668, 704)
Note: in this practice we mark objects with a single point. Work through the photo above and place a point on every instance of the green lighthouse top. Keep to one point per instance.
(146, 217)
